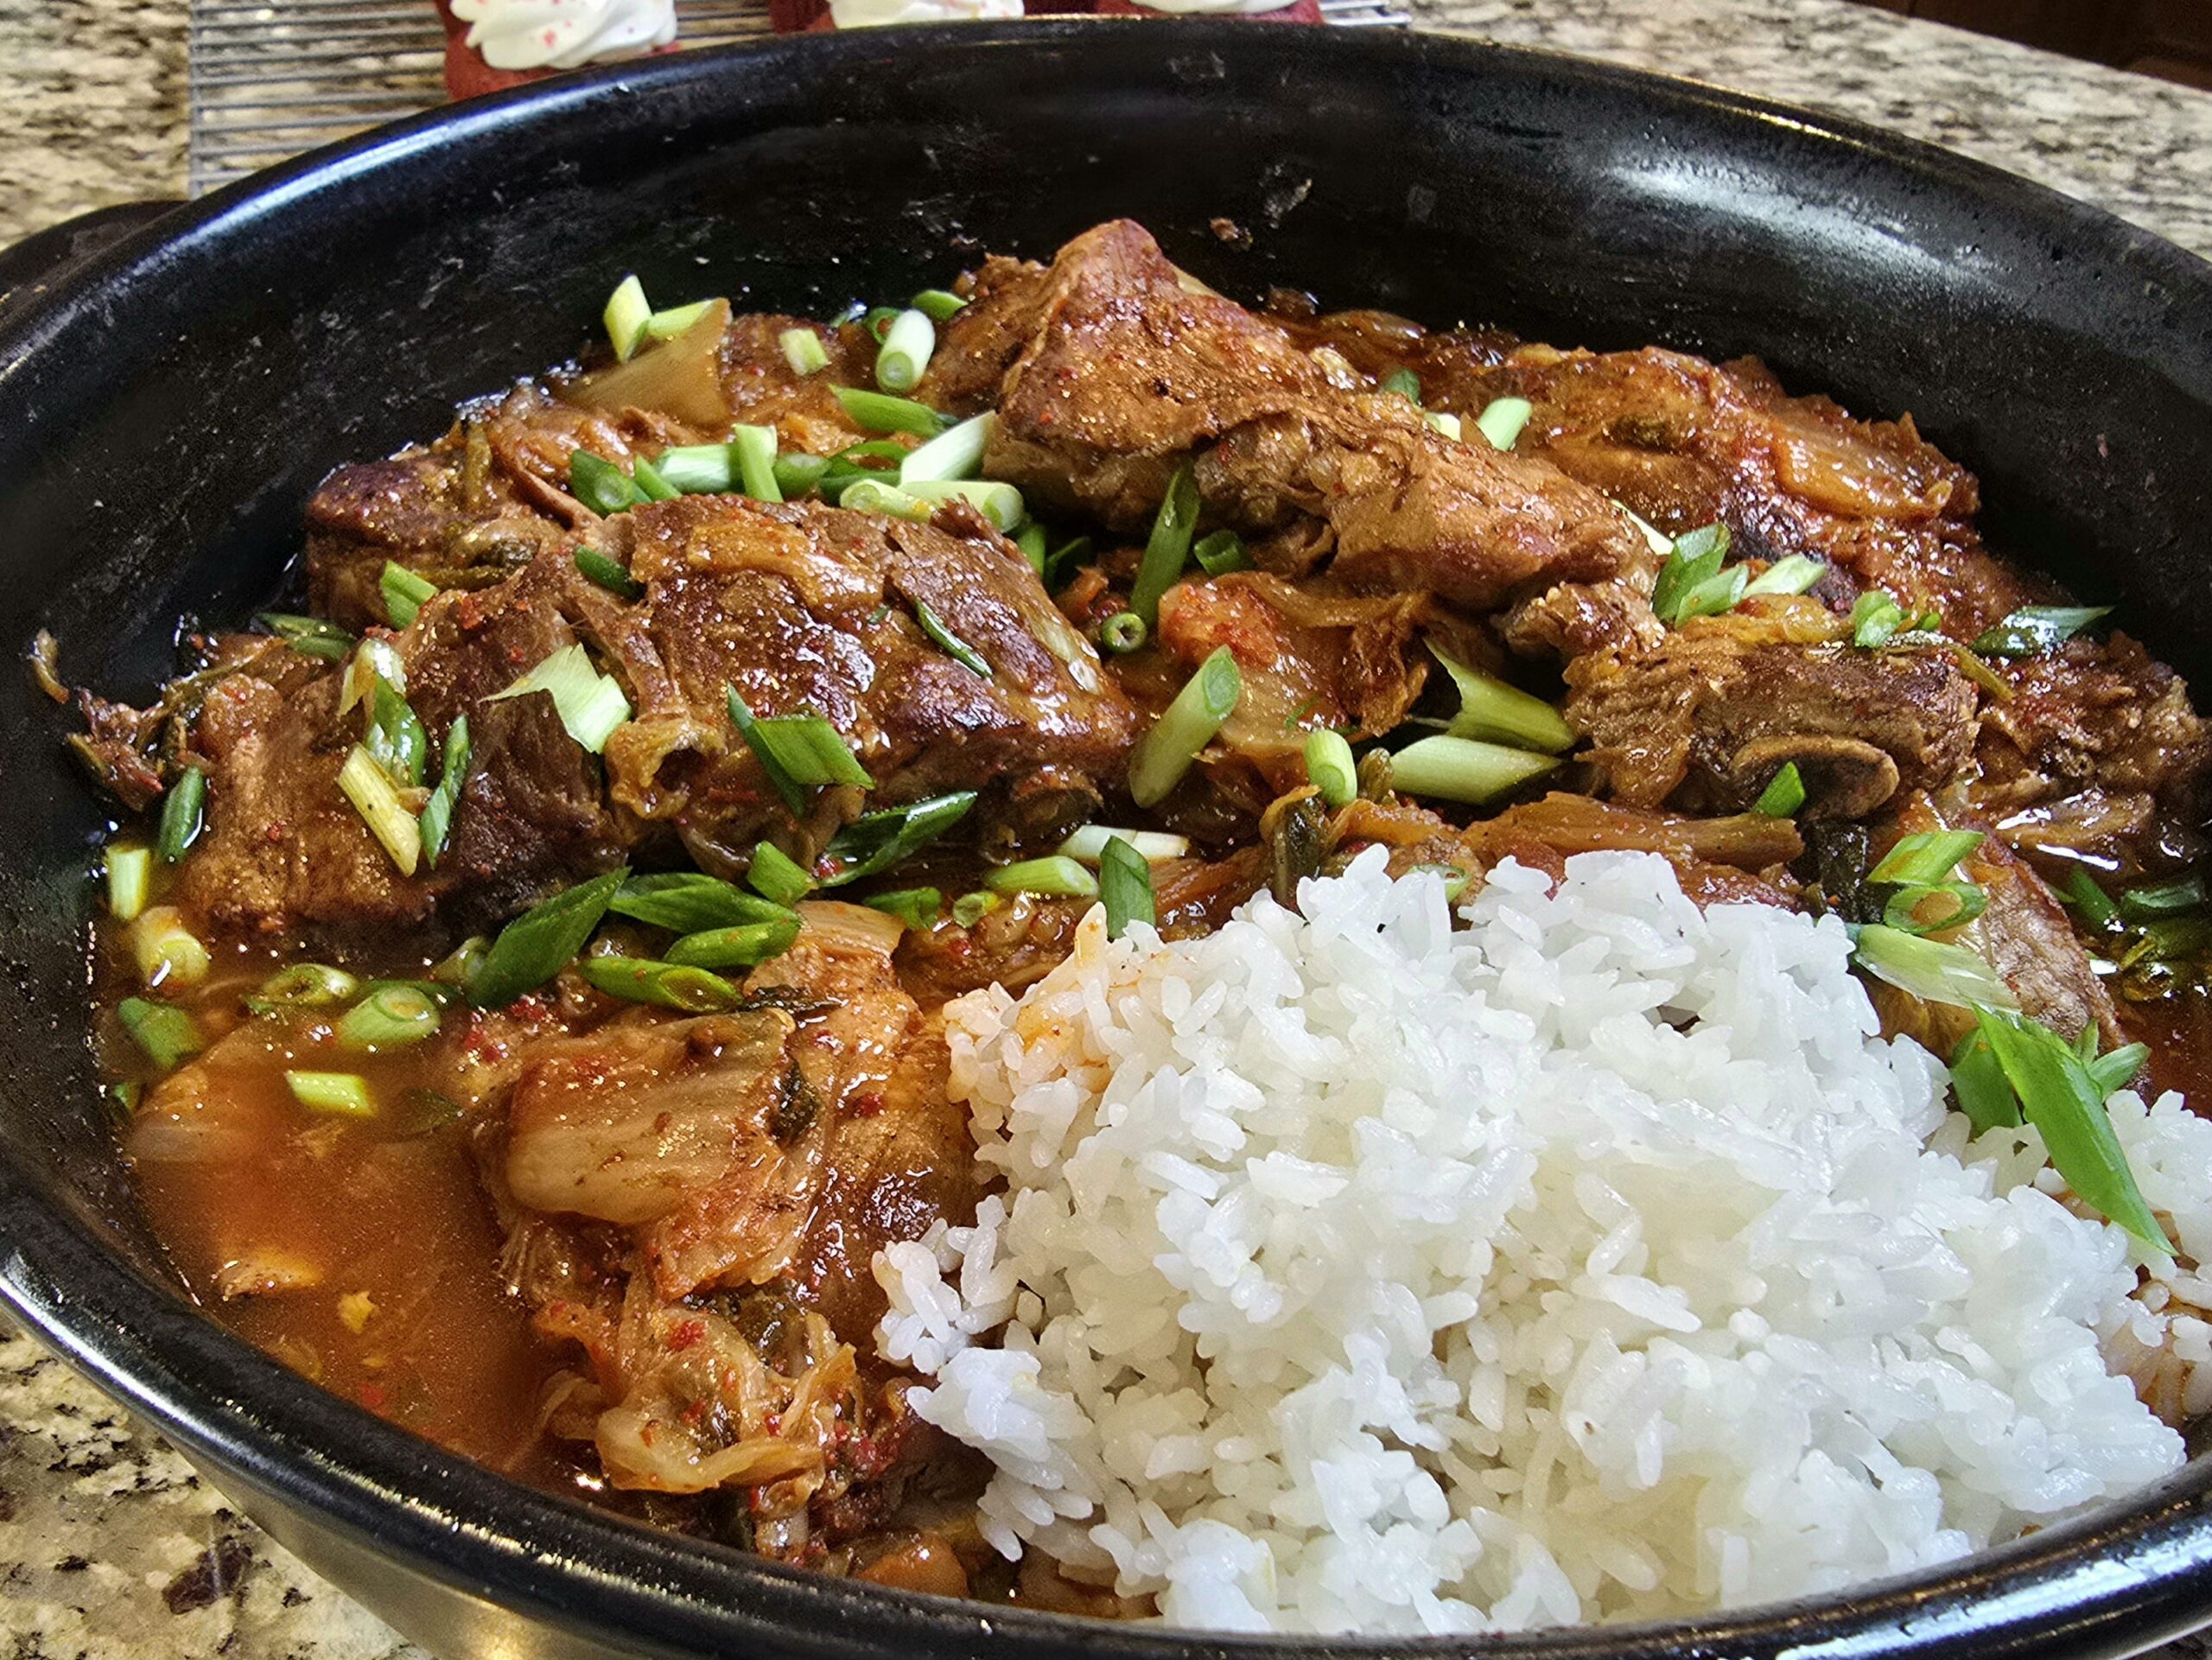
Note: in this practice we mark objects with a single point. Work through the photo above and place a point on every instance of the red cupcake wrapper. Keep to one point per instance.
(812, 16)
(468, 76)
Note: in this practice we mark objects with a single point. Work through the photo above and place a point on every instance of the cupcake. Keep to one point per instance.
(494, 44)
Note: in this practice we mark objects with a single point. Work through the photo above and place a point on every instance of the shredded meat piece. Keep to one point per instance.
(2103, 716)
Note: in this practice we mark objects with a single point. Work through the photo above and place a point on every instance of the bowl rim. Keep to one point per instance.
(2128, 1572)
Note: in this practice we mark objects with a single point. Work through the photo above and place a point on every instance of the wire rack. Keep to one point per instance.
(270, 80)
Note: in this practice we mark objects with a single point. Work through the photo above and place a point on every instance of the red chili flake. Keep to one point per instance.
(277, 830)
(375, 1397)
(774, 1423)
(868, 1103)
(686, 1333)
(692, 1413)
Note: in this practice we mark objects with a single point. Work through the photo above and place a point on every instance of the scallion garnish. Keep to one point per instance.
(2115, 1071)
(1406, 383)
(1001, 504)
(168, 1034)
(937, 305)
(1492, 709)
(949, 643)
(599, 568)
(541, 942)
(346, 1093)
(689, 902)
(1186, 726)
(880, 412)
(403, 592)
(1464, 769)
(1903, 909)
(955, 453)
(677, 320)
(1168, 548)
(128, 867)
(1064, 560)
(1125, 888)
(183, 812)
(1931, 970)
(1220, 552)
(627, 313)
(591, 705)
(1655, 539)
(904, 357)
(1054, 876)
(436, 822)
(394, 738)
(2146, 901)
(875, 842)
(1928, 857)
(1087, 844)
(650, 485)
(877, 320)
(1874, 617)
(1121, 633)
(1330, 767)
(602, 486)
(971, 908)
(1030, 539)
(168, 953)
(2081, 891)
(303, 985)
(311, 636)
(803, 350)
(394, 1014)
(1795, 575)
(754, 450)
(2034, 629)
(1693, 583)
(686, 987)
(800, 474)
(1983, 1093)
(369, 788)
(737, 947)
(700, 469)
(1784, 795)
(798, 752)
(777, 876)
(1980, 673)
(917, 907)
(1445, 422)
(867, 495)
(1456, 881)
(1503, 419)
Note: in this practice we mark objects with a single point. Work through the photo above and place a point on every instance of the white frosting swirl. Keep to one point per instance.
(869, 14)
(564, 34)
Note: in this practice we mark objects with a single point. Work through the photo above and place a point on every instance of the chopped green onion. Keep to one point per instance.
(1656, 539)
(459, 966)
(2081, 891)
(777, 876)
(1406, 383)
(1902, 911)
(1875, 617)
(866, 495)
(971, 908)
(129, 870)
(1490, 708)
(2169, 938)
(738, 947)
(394, 1014)
(394, 738)
(2116, 1071)
(1692, 582)
(689, 902)
(346, 1093)
(904, 357)
(541, 942)
(311, 636)
(1219, 552)
(1980, 673)
(1186, 726)
(375, 660)
(627, 313)
(880, 412)
(437, 822)
(2060, 1098)
(937, 305)
(650, 485)
(591, 705)
(182, 815)
(1125, 888)
(754, 450)
(682, 986)
(1330, 767)
(1455, 880)
(879, 319)
(1501, 420)
(168, 1034)
(955, 453)
(949, 643)
(875, 842)
(168, 953)
(1784, 795)
(797, 752)
(1064, 560)
(1985, 1093)
(403, 592)
(1931, 970)
(1030, 539)
(2034, 629)
(1168, 548)
(1445, 422)
(369, 788)
(1121, 633)
(602, 486)
(1054, 876)
(1796, 575)
(607, 574)
(797, 474)
(2147, 900)
(303, 985)
(804, 351)
(1000, 504)
(917, 908)
(1087, 844)
(1464, 769)
(700, 469)
(677, 320)
(1928, 857)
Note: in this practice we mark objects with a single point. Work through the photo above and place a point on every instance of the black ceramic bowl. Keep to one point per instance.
(165, 409)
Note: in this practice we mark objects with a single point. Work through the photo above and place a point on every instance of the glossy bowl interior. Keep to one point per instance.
(165, 411)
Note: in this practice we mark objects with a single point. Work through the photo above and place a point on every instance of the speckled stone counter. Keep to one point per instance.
(110, 1547)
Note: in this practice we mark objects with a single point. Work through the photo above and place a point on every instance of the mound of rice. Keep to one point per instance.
(1594, 1262)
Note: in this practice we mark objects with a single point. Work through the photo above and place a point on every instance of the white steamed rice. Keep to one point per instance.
(1595, 1262)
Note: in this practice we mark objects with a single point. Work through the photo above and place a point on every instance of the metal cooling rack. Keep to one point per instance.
(270, 80)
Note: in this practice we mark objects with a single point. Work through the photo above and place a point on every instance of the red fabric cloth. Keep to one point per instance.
(468, 76)
(803, 16)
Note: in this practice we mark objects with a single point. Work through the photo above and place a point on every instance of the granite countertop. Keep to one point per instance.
(110, 1547)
